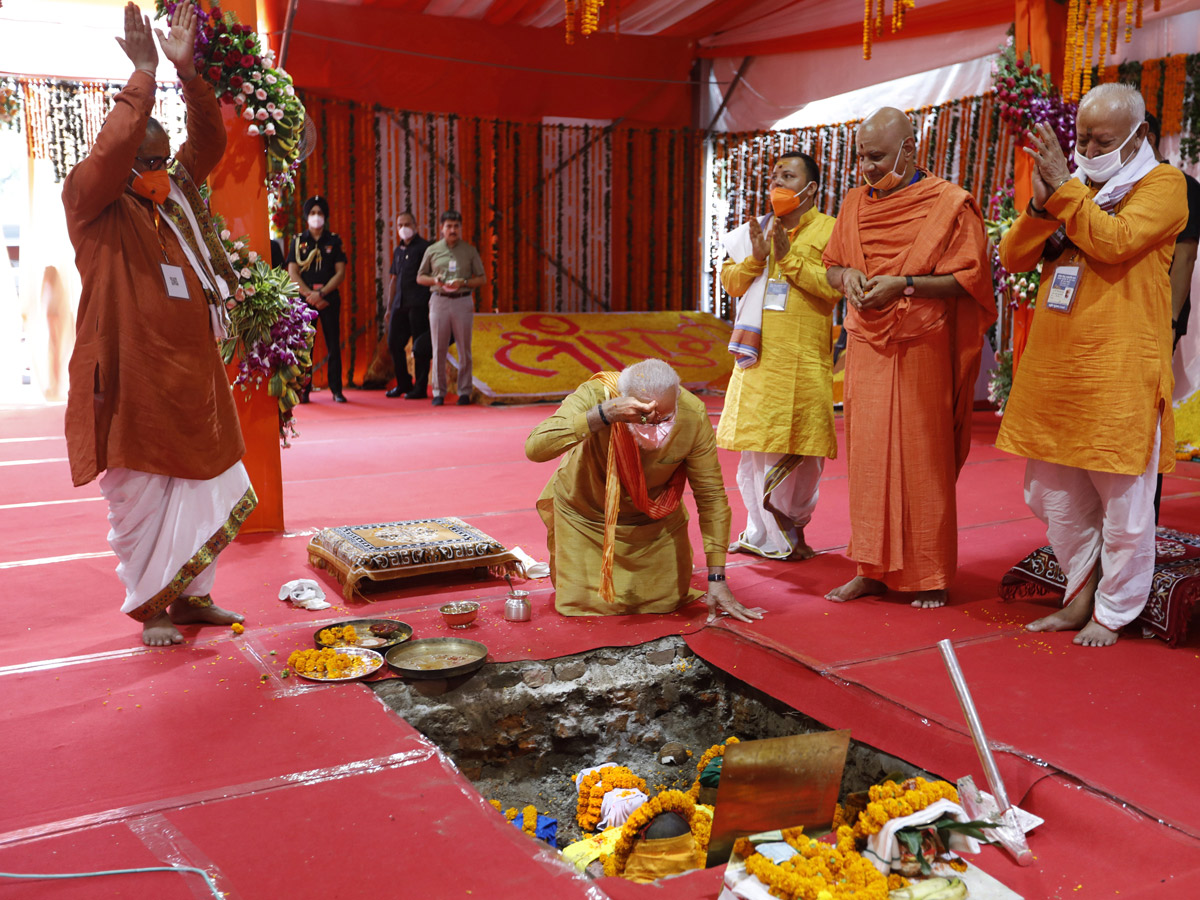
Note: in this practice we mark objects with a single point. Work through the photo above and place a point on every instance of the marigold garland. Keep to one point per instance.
(709, 755)
(667, 801)
(1151, 80)
(873, 20)
(529, 820)
(1174, 82)
(595, 785)
(819, 871)
(893, 801)
(1084, 17)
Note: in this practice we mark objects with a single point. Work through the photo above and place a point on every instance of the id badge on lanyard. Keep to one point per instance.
(176, 284)
(1064, 285)
(777, 294)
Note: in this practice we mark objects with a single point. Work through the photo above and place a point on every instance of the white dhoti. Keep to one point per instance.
(167, 532)
(1098, 517)
(780, 493)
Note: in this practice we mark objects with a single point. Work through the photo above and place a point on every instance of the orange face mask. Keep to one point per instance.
(784, 201)
(154, 185)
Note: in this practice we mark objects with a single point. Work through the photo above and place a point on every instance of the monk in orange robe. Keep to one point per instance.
(1091, 400)
(910, 254)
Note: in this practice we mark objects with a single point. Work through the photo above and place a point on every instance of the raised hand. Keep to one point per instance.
(779, 239)
(758, 241)
(630, 410)
(179, 44)
(138, 42)
(1051, 163)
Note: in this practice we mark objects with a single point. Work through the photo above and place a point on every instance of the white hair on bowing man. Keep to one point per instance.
(648, 379)
(1123, 96)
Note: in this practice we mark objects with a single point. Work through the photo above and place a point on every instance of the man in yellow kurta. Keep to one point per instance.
(779, 406)
(1091, 400)
(616, 526)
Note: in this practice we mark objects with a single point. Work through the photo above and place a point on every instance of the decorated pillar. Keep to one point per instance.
(1040, 29)
(239, 194)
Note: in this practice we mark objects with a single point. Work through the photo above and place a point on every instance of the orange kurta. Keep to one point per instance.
(1093, 382)
(910, 377)
(148, 388)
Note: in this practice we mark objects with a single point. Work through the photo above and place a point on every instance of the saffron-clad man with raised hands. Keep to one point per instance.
(1091, 400)
(150, 404)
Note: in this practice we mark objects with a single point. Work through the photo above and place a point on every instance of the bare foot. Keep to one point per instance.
(858, 586)
(801, 550)
(1095, 635)
(159, 632)
(1075, 614)
(184, 613)
(929, 599)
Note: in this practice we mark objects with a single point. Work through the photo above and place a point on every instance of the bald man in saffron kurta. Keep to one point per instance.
(910, 254)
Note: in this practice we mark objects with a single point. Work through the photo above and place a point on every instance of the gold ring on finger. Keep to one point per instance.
(643, 420)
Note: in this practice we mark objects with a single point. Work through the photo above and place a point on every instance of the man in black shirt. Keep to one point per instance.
(316, 262)
(408, 311)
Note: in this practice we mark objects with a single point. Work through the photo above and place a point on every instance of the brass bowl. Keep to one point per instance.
(437, 657)
(460, 614)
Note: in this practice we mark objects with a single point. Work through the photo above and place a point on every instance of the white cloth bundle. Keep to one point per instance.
(883, 850)
(304, 593)
(618, 805)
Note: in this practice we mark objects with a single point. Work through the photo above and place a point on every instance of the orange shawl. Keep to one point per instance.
(625, 468)
(931, 227)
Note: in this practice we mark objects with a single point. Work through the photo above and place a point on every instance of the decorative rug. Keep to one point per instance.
(524, 357)
(1173, 592)
(389, 550)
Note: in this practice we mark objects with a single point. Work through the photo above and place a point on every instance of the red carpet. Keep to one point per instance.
(119, 756)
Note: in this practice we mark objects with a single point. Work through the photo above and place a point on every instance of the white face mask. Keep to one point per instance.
(890, 179)
(651, 437)
(1100, 168)
(406, 233)
(316, 220)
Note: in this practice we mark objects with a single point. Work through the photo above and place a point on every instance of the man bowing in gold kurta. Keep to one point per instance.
(1091, 400)
(779, 406)
(616, 526)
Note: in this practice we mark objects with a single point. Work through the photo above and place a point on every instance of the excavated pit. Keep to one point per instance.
(520, 730)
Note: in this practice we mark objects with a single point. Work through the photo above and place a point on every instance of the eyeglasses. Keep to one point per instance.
(153, 163)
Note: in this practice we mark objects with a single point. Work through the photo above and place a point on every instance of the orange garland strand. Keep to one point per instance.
(1174, 81)
(1151, 80)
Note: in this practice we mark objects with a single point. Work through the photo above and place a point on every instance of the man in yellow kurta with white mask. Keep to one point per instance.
(779, 406)
(1091, 400)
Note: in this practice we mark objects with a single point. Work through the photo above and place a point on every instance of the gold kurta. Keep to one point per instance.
(1093, 382)
(784, 404)
(653, 557)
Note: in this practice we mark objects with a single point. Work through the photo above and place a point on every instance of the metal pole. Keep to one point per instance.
(1007, 832)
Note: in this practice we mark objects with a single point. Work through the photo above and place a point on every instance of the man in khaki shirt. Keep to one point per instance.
(452, 269)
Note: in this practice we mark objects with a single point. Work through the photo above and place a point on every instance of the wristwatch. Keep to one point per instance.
(909, 290)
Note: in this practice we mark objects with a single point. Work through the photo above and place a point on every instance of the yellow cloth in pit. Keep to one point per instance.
(655, 858)
(653, 563)
(1092, 382)
(583, 853)
(784, 404)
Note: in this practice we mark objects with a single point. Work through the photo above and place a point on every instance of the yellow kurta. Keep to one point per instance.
(784, 404)
(1093, 382)
(653, 565)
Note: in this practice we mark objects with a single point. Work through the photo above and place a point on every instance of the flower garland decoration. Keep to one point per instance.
(1174, 84)
(819, 870)
(596, 785)
(893, 801)
(1151, 81)
(709, 755)
(873, 20)
(270, 331)
(1027, 97)
(1084, 18)
(667, 801)
(10, 105)
(231, 58)
(588, 18)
